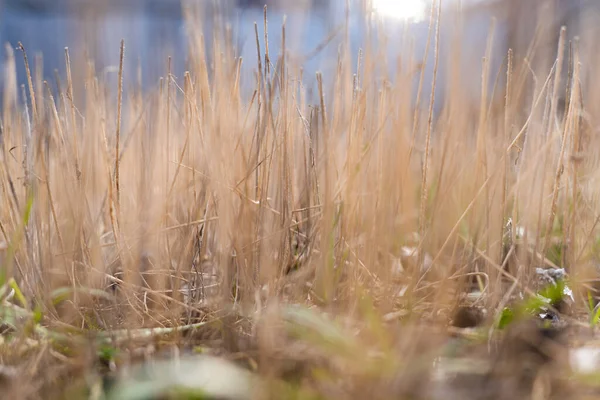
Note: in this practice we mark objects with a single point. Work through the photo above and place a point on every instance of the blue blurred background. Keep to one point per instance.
(155, 29)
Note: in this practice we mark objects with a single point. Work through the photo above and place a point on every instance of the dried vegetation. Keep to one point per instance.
(345, 241)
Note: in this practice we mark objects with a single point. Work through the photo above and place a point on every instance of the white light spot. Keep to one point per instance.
(408, 10)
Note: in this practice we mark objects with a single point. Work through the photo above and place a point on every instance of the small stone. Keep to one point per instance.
(468, 317)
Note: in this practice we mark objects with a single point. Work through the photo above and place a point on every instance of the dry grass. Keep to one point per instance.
(235, 224)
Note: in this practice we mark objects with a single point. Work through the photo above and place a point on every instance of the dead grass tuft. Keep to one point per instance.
(345, 243)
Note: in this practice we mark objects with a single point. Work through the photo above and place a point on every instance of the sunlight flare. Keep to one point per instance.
(407, 10)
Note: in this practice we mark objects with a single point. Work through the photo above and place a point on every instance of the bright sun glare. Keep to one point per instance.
(408, 10)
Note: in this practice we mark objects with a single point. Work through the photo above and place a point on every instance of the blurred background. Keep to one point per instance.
(155, 29)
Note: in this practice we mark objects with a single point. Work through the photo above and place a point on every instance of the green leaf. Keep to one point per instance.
(18, 294)
(595, 316)
(107, 352)
(61, 294)
(326, 334)
(554, 293)
(37, 315)
(14, 243)
(506, 317)
(189, 377)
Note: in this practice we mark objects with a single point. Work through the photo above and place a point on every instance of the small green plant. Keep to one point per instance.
(594, 311)
(107, 353)
(506, 318)
(550, 295)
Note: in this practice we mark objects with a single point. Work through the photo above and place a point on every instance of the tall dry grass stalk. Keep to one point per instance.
(190, 202)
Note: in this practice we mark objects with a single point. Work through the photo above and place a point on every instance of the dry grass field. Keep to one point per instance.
(190, 242)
